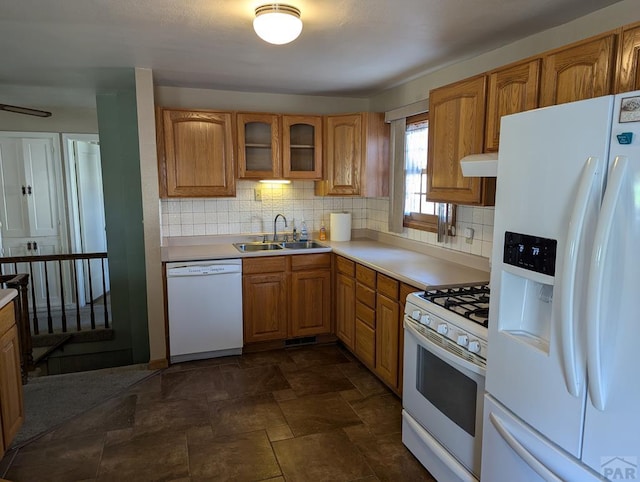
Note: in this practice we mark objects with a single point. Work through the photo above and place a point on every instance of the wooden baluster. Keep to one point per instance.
(104, 300)
(93, 316)
(75, 285)
(36, 328)
(46, 284)
(64, 312)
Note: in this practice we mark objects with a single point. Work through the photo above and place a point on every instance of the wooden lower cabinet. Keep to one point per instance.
(387, 339)
(286, 297)
(345, 296)
(11, 401)
(265, 306)
(310, 303)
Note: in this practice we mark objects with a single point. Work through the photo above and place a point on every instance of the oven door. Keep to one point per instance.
(444, 394)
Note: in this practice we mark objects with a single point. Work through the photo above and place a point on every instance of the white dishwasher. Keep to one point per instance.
(205, 309)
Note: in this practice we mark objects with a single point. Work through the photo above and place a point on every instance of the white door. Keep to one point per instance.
(612, 424)
(91, 213)
(542, 162)
(15, 216)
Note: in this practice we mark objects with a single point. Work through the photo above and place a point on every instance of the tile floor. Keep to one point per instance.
(301, 414)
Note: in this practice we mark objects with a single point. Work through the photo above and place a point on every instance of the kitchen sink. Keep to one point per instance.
(252, 247)
(302, 245)
(274, 246)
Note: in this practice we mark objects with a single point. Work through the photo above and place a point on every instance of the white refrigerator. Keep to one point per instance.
(563, 384)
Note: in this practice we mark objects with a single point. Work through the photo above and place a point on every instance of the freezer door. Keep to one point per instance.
(512, 451)
(535, 359)
(612, 423)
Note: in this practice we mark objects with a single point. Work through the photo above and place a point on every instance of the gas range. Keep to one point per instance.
(459, 314)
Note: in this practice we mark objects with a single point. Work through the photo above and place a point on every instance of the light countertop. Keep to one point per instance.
(437, 267)
(6, 296)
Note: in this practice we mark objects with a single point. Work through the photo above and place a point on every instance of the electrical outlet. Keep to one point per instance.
(257, 194)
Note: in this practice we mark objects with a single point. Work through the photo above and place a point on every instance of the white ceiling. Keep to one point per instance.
(347, 47)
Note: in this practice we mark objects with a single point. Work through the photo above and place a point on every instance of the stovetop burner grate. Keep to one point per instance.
(472, 302)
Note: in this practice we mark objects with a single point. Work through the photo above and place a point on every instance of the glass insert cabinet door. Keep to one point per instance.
(275, 146)
(302, 147)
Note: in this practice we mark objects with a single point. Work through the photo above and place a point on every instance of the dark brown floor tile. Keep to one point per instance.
(328, 456)
(351, 395)
(262, 358)
(171, 414)
(149, 389)
(387, 455)
(74, 458)
(192, 383)
(239, 457)
(286, 394)
(280, 432)
(245, 414)
(113, 414)
(382, 414)
(365, 381)
(253, 381)
(208, 362)
(161, 455)
(318, 379)
(318, 413)
(317, 355)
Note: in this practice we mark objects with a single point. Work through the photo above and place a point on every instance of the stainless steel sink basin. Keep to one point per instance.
(302, 245)
(252, 247)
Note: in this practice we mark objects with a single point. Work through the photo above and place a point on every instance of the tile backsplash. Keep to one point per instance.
(246, 215)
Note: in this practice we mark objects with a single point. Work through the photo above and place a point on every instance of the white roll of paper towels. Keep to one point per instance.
(340, 229)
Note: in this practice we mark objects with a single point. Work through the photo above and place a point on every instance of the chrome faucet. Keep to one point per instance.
(275, 220)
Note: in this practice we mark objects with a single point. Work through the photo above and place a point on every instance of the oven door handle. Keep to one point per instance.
(443, 354)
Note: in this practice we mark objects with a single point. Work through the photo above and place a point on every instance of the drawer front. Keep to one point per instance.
(365, 344)
(366, 295)
(388, 286)
(366, 276)
(365, 314)
(7, 317)
(345, 266)
(268, 264)
(310, 261)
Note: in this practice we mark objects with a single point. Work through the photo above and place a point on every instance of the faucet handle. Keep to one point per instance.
(264, 238)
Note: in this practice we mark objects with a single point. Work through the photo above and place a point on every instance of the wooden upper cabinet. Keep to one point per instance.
(195, 153)
(510, 90)
(456, 129)
(628, 77)
(580, 71)
(302, 147)
(356, 156)
(259, 146)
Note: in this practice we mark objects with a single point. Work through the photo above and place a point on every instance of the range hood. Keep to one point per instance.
(480, 165)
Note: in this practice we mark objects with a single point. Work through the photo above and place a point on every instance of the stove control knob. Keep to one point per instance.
(425, 320)
(474, 346)
(462, 340)
(416, 315)
(443, 329)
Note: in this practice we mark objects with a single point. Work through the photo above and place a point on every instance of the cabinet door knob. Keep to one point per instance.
(29, 246)
(24, 190)
(35, 246)
(29, 190)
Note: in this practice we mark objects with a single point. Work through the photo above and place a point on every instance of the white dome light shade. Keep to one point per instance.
(277, 24)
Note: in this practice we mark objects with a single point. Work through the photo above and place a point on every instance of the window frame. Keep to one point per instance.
(422, 221)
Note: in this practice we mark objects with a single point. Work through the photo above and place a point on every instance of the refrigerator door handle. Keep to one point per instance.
(599, 258)
(573, 373)
(521, 451)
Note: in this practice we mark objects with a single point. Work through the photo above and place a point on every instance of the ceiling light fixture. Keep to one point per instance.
(25, 110)
(277, 23)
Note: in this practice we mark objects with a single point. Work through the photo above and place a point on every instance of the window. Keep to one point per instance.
(418, 212)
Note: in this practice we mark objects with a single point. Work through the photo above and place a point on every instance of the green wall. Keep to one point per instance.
(119, 149)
